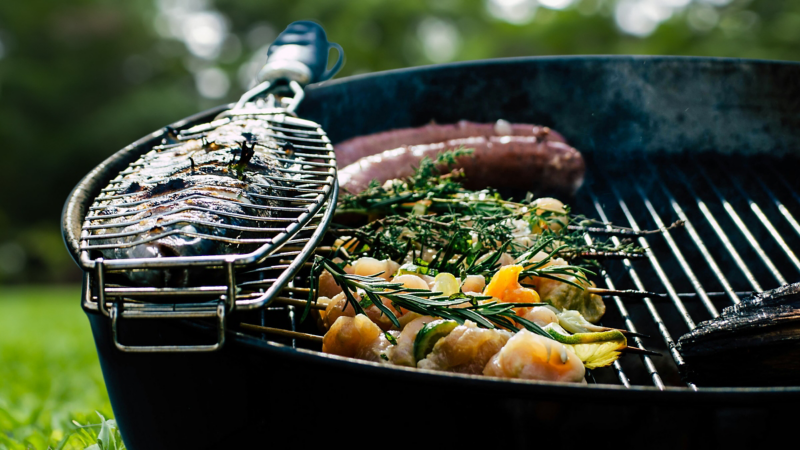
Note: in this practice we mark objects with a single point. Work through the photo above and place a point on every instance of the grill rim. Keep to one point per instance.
(482, 63)
(742, 395)
(381, 87)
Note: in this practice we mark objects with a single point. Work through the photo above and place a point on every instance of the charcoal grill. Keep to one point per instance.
(713, 142)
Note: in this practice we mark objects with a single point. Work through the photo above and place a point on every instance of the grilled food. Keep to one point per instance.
(410, 288)
(532, 357)
(756, 342)
(524, 157)
(203, 196)
(351, 150)
(397, 332)
(465, 349)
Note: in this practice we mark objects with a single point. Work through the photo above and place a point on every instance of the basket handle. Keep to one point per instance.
(300, 53)
(159, 312)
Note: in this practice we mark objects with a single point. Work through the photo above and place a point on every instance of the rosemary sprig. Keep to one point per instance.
(458, 307)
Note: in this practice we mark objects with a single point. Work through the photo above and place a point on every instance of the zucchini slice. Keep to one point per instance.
(429, 335)
(593, 349)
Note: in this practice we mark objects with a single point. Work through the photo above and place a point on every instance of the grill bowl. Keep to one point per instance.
(626, 114)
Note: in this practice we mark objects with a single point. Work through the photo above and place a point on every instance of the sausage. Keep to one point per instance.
(351, 150)
(526, 163)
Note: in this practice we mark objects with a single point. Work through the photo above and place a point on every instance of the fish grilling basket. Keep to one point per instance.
(711, 142)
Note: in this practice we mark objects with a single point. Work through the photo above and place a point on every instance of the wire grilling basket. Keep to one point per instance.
(267, 236)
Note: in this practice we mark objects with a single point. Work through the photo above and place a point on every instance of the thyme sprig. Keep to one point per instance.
(427, 182)
(463, 223)
(461, 249)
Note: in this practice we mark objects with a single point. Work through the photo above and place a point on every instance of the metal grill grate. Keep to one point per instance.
(729, 247)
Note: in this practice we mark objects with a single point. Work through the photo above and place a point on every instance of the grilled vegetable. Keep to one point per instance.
(403, 353)
(505, 286)
(414, 269)
(756, 342)
(574, 322)
(446, 283)
(593, 349)
(429, 335)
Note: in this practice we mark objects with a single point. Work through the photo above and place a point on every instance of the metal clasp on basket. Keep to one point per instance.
(177, 311)
(135, 310)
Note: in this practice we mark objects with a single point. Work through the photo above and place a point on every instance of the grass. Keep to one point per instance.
(49, 372)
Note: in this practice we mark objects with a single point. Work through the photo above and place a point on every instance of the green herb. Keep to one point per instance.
(471, 230)
(488, 315)
(426, 182)
(366, 302)
(246, 153)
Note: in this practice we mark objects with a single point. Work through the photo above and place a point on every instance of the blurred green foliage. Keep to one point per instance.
(49, 371)
(80, 79)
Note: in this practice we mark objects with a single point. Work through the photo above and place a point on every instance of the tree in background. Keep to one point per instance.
(81, 79)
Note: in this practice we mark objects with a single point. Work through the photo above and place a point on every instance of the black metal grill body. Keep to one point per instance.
(666, 139)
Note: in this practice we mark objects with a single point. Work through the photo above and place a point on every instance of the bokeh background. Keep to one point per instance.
(80, 79)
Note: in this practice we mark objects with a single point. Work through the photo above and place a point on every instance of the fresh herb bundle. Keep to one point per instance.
(467, 232)
(427, 182)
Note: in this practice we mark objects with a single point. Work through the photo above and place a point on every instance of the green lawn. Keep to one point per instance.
(49, 372)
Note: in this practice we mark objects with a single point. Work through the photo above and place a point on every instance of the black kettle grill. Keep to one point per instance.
(713, 142)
